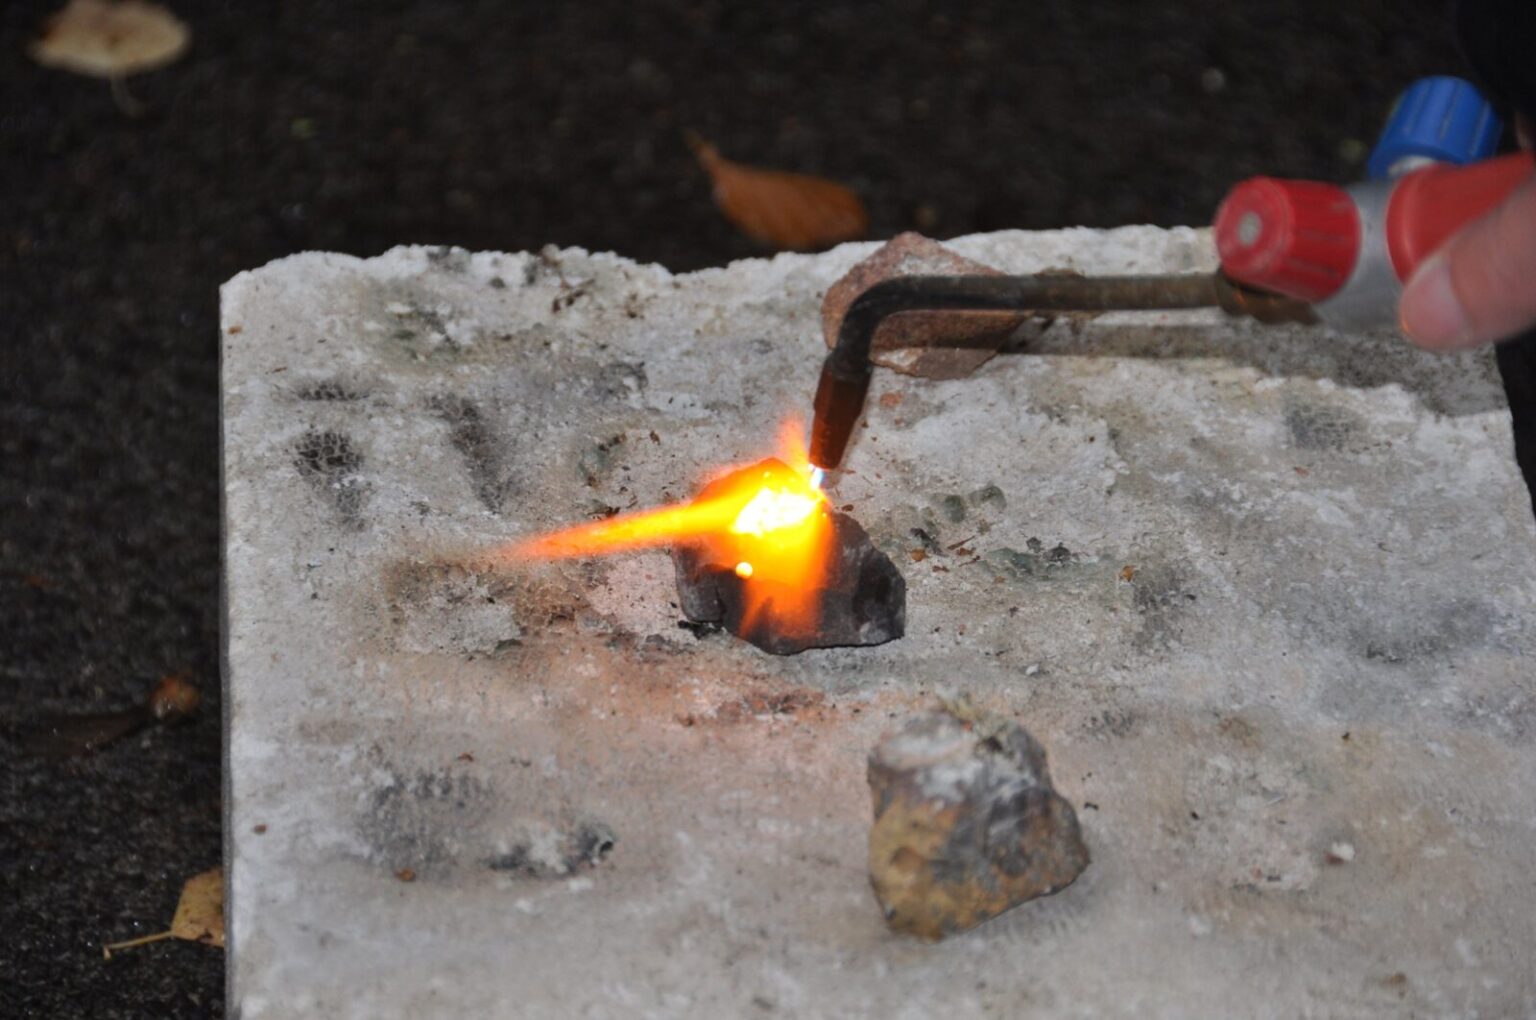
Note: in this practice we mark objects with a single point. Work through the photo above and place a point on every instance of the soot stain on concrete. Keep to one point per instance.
(449, 259)
(1414, 662)
(331, 390)
(1161, 598)
(951, 507)
(329, 461)
(464, 608)
(1314, 426)
(416, 323)
(1036, 562)
(763, 703)
(474, 439)
(422, 818)
(416, 327)
(597, 460)
(546, 852)
(946, 525)
(1448, 628)
(1113, 723)
(616, 380)
(989, 497)
(1507, 714)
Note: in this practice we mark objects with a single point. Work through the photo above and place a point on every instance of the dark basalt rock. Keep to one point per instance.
(862, 598)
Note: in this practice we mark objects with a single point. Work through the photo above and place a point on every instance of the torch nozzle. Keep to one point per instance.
(839, 403)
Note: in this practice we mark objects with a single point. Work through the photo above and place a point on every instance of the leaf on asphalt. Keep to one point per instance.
(199, 915)
(173, 698)
(59, 736)
(782, 210)
(111, 38)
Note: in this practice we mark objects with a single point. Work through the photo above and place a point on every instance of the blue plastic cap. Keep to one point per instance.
(1441, 119)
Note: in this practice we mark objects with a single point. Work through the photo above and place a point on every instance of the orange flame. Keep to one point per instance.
(772, 528)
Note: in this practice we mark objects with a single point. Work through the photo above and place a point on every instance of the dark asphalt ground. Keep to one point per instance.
(359, 125)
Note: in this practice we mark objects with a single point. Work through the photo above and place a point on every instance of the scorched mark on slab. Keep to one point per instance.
(1436, 632)
(1162, 598)
(449, 259)
(473, 438)
(1320, 427)
(471, 609)
(417, 819)
(597, 460)
(617, 380)
(1035, 562)
(556, 855)
(762, 704)
(328, 390)
(330, 462)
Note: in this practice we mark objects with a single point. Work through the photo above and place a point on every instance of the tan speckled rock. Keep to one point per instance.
(967, 824)
(937, 345)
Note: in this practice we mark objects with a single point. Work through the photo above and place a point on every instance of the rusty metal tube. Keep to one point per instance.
(845, 374)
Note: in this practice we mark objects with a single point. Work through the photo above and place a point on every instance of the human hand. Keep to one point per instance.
(1481, 285)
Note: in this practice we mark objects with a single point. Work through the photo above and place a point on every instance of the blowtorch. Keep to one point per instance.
(1289, 250)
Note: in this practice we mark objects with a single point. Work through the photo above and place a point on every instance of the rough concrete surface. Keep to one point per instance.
(1234, 579)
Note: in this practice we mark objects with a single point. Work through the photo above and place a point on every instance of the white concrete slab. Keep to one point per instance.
(1282, 665)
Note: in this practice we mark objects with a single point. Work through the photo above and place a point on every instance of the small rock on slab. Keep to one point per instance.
(862, 599)
(967, 824)
(935, 345)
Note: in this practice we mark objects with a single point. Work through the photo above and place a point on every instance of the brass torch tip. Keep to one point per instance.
(839, 403)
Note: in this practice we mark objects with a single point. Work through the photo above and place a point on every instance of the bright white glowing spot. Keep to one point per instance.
(817, 477)
(743, 569)
(772, 509)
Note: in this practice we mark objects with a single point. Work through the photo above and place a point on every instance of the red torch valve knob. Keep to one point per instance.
(1297, 238)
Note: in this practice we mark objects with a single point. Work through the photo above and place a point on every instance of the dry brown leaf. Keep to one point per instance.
(111, 38)
(174, 697)
(199, 915)
(782, 210)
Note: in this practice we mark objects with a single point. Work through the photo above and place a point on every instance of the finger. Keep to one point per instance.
(1481, 285)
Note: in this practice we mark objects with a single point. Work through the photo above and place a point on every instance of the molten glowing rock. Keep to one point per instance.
(967, 824)
(789, 573)
(774, 510)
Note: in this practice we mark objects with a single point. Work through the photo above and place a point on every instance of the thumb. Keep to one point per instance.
(1481, 285)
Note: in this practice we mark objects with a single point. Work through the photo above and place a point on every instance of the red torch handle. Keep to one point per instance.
(1430, 205)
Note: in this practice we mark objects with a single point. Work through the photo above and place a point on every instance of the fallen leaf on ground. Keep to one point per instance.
(60, 736)
(111, 38)
(782, 210)
(173, 698)
(199, 915)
